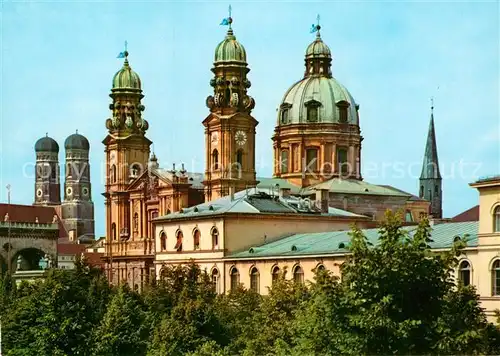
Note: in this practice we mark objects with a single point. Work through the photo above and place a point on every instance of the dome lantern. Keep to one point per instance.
(230, 50)
(126, 79)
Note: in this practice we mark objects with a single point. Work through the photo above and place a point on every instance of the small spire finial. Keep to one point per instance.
(77, 131)
(126, 52)
(432, 104)
(230, 19)
(318, 27)
(46, 134)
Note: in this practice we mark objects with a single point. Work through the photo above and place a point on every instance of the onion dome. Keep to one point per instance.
(319, 97)
(46, 144)
(126, 78)
(77, 142)
(230, 50)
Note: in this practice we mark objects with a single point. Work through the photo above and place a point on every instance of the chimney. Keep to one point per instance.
(231, 192)
(322, 196)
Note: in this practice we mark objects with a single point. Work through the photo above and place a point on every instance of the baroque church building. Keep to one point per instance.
(157, 216)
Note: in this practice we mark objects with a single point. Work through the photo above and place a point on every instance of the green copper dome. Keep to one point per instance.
(126, 78)
(230, 50)
(325, 94)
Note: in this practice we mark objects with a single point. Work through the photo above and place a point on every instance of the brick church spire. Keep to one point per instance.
(430, 178)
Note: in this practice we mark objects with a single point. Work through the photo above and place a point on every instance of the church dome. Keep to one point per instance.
(126, 78)
(46, 144)
(77, 141)
(319, 97)
(230, 50)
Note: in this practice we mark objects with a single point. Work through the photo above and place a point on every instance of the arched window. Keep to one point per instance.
(163, 241)
(275, 273)
(135, 171)
(495, 274)
(343, 165)
(112, 174)
(408, 216)
(235, 278)
(113, 231)
(215, 279)
(215, 159)
(239, 158)
(496, 219)
(53, 172)
(320, 267)
(464, 273)
(254, 280)
(421, 191)
(298, 274)
(436, 190)
(284, 161)
(196, 239)
(215, 238)
(178, 243)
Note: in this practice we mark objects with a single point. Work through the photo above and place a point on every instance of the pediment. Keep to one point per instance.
(149, 178)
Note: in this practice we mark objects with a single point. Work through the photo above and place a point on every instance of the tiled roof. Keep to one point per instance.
(94, 259)
(412, 196)
(471, 214)
(195, 179)
(28, 213)
(337, 242)
(70, 249)
(254, 201)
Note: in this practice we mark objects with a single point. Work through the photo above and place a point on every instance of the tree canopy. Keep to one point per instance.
(394, 297)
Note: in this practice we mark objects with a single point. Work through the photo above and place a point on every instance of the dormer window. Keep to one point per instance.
(284, 111)
(343, 107)
(284, 116)
(312, 110)
(312, 114)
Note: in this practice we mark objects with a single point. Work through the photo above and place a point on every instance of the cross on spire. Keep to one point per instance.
(317, 20)
(230, 19)
(432, 104)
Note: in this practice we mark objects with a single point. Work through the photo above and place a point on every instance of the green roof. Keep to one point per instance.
(337, 242)
(353, 186)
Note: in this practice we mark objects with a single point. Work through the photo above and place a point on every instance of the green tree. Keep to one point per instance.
(122, 330)
(192, 320)
(55, 316)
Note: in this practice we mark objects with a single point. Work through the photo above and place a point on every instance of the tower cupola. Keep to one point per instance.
(126, 107)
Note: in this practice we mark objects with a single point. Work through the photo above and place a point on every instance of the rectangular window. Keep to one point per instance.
(311, 159)
(312, 114)
(343, 165)
(284, 161)
(343, 114)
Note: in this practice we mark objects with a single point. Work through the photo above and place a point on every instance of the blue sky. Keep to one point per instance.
(58, 59)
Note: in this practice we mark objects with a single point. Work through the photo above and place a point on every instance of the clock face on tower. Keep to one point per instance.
(39, 193)
(240, 137)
